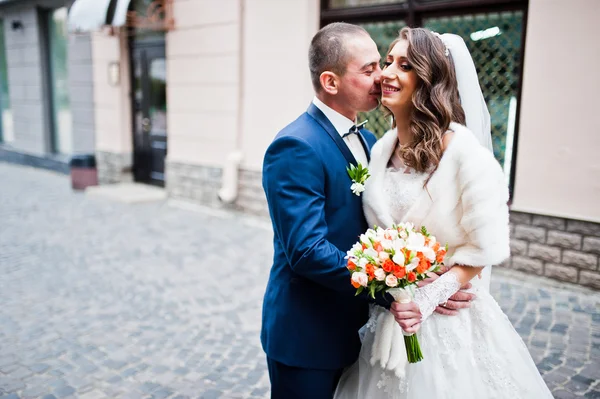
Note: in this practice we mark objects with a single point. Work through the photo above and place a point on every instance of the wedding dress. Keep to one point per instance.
(477, 354)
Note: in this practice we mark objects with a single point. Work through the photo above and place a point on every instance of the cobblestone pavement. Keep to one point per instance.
(106, 300)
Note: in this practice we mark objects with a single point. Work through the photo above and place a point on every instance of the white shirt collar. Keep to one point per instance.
(341, 124)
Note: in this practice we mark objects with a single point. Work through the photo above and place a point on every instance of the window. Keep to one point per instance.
(493, 31)
(494, 40)
(6, 121)
(360, 3)
(62, 137)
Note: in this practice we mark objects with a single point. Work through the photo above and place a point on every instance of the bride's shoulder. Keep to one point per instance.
(466, 151)
(386, 141)
(460, 141)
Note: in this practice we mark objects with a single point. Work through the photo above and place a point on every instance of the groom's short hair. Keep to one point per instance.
(328, 52)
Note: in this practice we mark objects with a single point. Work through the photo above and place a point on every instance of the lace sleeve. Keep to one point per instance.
(436, 293)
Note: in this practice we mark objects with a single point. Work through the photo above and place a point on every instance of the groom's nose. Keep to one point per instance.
(377, 75)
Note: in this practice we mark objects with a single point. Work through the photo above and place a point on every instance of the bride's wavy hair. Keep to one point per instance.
(435, 101)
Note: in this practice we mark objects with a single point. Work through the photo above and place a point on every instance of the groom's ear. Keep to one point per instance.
(329, 82)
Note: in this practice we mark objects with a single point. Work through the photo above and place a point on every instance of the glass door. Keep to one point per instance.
(150, 113)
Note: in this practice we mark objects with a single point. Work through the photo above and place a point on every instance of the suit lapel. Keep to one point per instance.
(335, 136)
(365, 146)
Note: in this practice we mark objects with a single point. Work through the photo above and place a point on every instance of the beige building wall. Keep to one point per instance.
(276, 81)
(112, 107)
(111, 102)
(237, 73)
(203, 75)
(558, 167)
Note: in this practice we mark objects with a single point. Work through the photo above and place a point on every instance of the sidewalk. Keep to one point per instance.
(101, 299)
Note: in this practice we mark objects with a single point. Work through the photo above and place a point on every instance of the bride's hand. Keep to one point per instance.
(407, 315)
(460, 300)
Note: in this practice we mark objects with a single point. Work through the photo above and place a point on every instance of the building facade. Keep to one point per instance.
(188, 94)
(46, 94)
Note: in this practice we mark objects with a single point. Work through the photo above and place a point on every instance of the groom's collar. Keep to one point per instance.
(322, 120)
(341, 124)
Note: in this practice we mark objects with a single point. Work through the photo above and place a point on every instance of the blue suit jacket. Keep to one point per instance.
(311, 317)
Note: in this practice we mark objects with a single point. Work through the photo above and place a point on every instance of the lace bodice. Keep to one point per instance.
(402, 187)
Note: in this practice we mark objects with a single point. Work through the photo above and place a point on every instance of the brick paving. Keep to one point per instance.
(105, 300)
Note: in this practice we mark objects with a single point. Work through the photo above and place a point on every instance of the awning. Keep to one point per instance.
(88, 15)
(120, 13)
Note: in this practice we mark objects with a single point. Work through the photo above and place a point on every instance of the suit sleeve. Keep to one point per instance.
(294, 184)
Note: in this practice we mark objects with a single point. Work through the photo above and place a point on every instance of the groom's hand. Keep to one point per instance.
(460, 300)
(407, 315)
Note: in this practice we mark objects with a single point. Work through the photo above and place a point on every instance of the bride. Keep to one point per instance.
(432, 170)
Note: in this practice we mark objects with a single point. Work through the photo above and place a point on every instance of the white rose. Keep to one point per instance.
(371, 252)
(429, 253)
(370, 233)
(403, 234)
(379, 274)
(364, 239)
(357, 247)
(360, 278)
(383, 256)
(432, 241)
(393, 233)
(391, 280)
(398, 244)
(399, 258)
(357, 188)
(386, 244)
(415, 241)
(413, 264)
(362, 262)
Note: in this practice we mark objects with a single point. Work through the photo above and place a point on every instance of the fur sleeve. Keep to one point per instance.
(484, 197)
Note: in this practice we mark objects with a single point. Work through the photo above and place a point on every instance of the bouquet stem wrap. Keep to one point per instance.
(411, 342)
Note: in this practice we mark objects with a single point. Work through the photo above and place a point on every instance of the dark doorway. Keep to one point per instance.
(148, 64)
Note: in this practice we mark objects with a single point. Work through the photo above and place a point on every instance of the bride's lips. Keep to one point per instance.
(388, 89)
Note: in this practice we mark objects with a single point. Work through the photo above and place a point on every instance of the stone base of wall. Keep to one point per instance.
(113, 167)
(201, 184)
(194, 182)
(252, 197)
(562, 249)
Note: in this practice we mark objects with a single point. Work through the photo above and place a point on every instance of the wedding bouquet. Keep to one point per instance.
(393, 260)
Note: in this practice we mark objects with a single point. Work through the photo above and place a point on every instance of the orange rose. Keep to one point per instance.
(399, 271)
(370, 270)
(436, 246)
(377, 246)
(364, 246)
(354, 283)
(423, 266)
(412, 277)
(440, 256)
(351, 265)
(388, 265)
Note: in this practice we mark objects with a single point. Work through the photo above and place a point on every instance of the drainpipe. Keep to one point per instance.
(229, 189)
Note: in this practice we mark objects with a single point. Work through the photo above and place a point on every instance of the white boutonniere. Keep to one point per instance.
(359, 176)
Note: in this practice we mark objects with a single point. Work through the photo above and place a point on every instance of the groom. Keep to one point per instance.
(311, 317)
